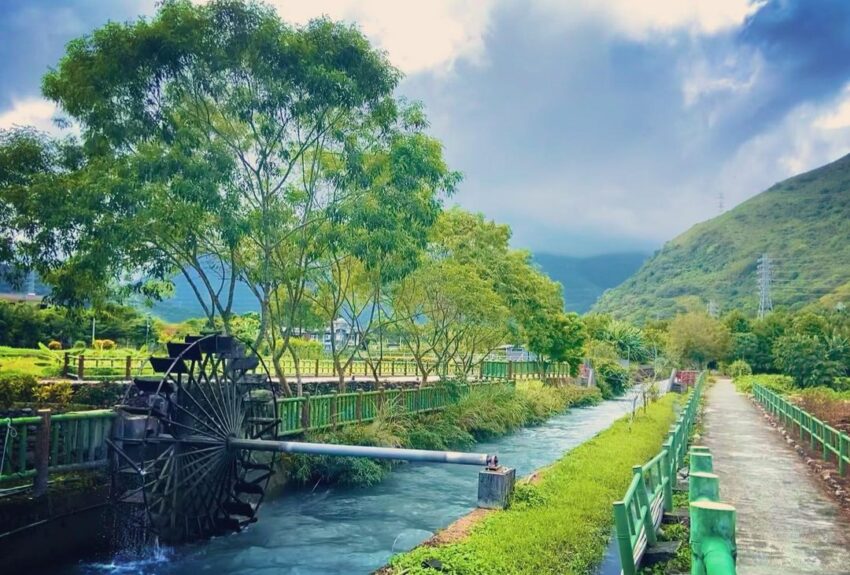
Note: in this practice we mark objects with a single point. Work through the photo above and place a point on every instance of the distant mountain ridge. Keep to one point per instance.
(586, 278)
(802, 224)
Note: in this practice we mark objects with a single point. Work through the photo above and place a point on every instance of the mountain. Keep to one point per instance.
(801, 224)
(584, 279)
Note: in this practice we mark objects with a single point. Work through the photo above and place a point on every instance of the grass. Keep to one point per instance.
(562, 523)
(489, 411)
(777, 383)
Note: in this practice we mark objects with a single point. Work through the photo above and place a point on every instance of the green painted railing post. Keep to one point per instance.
(624, 538)
(643, 501)
(842, 454)
(42, 453)
(701, 462)
(305, 413)
(703, 486)
(712, 538)
(668, 477)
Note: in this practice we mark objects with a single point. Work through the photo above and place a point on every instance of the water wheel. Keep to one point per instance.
(174, 471)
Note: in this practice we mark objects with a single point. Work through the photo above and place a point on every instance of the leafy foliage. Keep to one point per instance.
(777, 383)
(696, 339)
(486, 412)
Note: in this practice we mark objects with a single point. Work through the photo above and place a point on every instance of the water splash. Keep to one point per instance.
(147, 561)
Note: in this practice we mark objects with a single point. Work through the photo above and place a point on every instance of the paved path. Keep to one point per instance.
(786, 524)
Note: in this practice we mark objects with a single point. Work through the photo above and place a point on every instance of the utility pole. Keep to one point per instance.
(765, 278)
(720, 202)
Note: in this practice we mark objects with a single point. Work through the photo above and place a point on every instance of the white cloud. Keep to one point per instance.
(808, 137)
(639, 19)
(839, 116)
(35, 112)
(734, 76)
(418, 36)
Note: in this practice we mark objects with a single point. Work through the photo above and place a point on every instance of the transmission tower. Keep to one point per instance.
(713, 309)
(720, 202)
(765, 278)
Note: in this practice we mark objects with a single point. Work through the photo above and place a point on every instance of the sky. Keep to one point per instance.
(589, 126)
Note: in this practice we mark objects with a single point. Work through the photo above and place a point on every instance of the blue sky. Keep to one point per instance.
(588, 125)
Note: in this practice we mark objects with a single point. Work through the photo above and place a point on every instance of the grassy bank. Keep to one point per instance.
(487, 412)
(563, 522)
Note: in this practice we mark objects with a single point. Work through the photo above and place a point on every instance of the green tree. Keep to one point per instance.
(698, 339)
(806, 358)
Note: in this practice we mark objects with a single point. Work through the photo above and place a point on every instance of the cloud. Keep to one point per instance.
(418, 36)
(35, 112)
(838, 117)
(640, 19)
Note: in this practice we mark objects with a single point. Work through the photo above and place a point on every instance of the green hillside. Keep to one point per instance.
(802, 223)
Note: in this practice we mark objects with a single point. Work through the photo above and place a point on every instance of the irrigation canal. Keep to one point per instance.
(356, 530)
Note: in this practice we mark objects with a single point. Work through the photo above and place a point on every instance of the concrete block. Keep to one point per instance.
(495, 487)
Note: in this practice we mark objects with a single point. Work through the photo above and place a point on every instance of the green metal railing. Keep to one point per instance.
(76, 441)
(822, 437)
(638, 515)
(514, 370)
(306, 413)
(95, 367)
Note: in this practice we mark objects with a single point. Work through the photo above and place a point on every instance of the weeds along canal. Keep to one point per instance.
(356, 530)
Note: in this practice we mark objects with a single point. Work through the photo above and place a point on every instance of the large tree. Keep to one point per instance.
(219, 143)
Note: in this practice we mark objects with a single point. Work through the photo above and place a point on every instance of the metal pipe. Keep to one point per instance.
(423, 455)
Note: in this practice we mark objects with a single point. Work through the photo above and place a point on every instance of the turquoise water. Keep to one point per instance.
(356, 530)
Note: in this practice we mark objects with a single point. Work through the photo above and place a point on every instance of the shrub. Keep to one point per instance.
(613, 377)
(17, 388)
(102, 394)
(826, 404)
(54, 345)
(55, 393)
(777, 383)
(79, 344)
(104, 344)
(738, 368)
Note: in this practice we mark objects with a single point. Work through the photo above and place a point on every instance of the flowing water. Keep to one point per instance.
(356, 530)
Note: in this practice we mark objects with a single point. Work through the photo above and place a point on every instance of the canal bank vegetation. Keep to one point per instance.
(562, 522)
(488, 411)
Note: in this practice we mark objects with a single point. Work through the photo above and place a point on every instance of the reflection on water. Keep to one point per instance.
(344, 530)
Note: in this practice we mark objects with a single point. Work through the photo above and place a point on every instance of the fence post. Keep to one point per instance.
(317, 367)
(671, 476)
(128, 367)
(358, 406)
(334, 408)
(510, 369)
(305, 413)
(624, 538)
(42, 453)
(81, 367)
(392, 368)
(842, 454)
(66, 367)
(643, 501)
